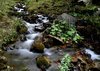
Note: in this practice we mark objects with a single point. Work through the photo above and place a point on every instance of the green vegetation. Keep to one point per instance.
(47, 6)
(64, 31)
(87, 13)
(7, 23)
(65, 63)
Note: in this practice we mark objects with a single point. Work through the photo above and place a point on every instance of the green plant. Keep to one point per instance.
(65, 63)
(10, 38)
(64, 31)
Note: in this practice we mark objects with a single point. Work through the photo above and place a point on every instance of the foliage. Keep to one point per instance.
(10, 38)
(87, 13)
(65, 63)
(8, 30)
(64, 31)
(5, 6)
(47, 6)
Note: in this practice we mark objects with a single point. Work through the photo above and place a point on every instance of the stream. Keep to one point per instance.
(19, 55)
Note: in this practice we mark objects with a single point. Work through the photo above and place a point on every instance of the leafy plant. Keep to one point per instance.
(10, 38)
(65, 63)
(64, 31)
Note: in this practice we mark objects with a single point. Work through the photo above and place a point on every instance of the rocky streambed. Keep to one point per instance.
(24, 53)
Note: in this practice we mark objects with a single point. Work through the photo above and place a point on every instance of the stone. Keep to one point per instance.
(30, 18)
(22, 37)
(2, 67)
(43, 62)
(39, 28)
(97, 13)
(37, 46)
(3, 63)
(3, 60)
(70, 19)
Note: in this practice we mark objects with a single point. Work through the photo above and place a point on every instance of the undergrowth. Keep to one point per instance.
(64, 31)
(65, 63)
(7, 23)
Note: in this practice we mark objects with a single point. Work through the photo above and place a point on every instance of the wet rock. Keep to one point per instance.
(21, 29)
(39, 28)
(37, 46)
(19, 10)
(97, 13)
(87, 2)
(3, 60)
(70, 19)
(22, 37)
(3, 66)
(3, 63)
(43, 62)
(31, 18)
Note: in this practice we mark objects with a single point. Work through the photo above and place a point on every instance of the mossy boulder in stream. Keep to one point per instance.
(37, 46)
(43, 62)
(21, 29)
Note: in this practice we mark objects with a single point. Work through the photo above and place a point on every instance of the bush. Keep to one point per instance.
(64, 31)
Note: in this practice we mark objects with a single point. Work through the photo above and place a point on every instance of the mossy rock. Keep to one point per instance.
(3, 67)
(3, 63)
(43, 62)
(37, 46)
(21, 29)
(3, 59)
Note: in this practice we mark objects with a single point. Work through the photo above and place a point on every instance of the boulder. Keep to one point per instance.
(37, 46)
(70, 19)
(39, 28)
(43, 62)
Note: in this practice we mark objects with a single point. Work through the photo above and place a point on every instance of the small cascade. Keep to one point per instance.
(93, 55)
(22, 48)
(20, 52)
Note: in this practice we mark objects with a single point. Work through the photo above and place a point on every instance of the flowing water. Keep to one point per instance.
(20, 57)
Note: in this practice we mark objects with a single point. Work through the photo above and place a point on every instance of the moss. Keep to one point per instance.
(7, 23)
(38, 46)
(48, 6)
(21, 29)
(43, 62)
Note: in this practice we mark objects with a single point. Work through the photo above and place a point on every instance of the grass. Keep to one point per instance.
(47, 6)
(7, 23)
